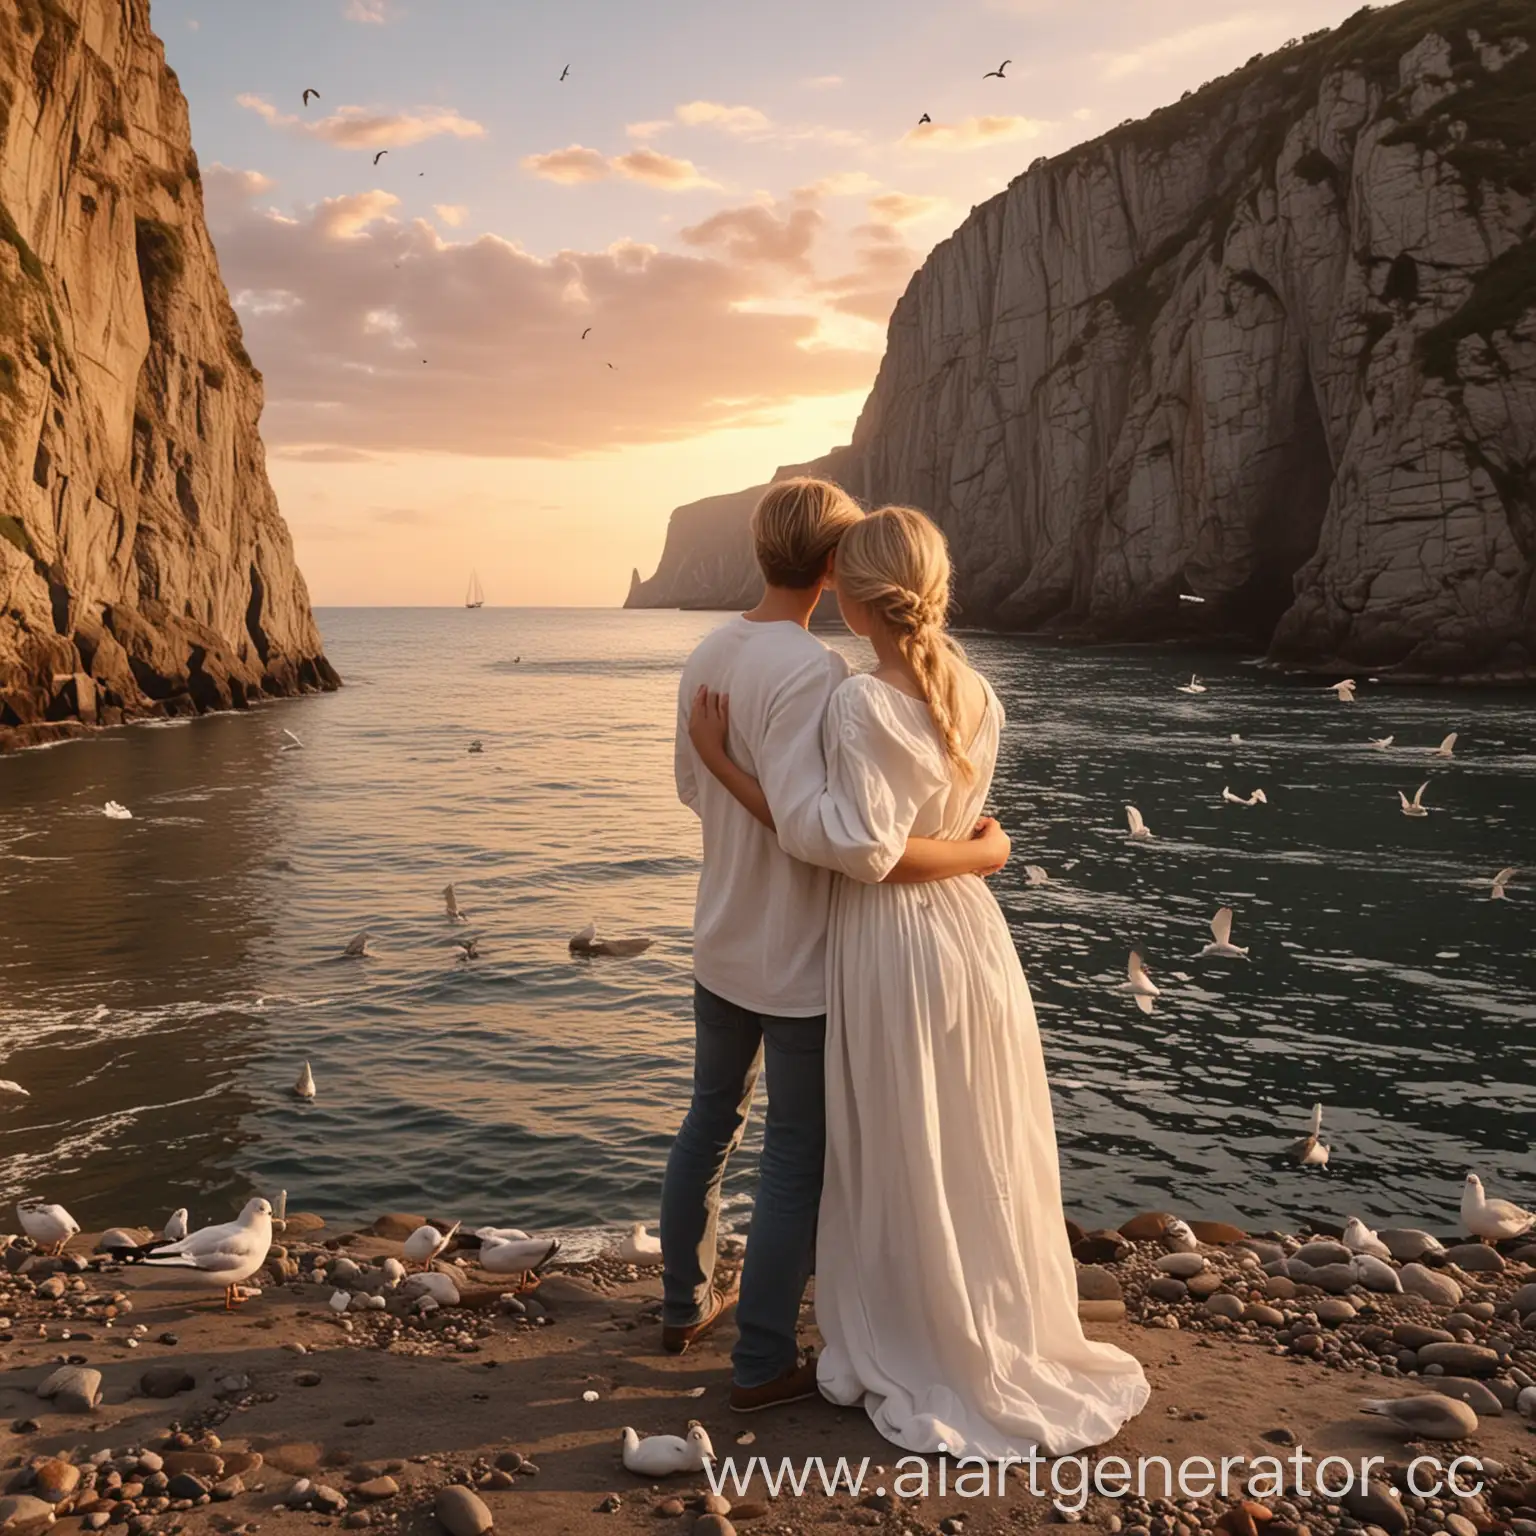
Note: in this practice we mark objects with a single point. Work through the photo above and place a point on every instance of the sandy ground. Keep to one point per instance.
(422, 1418)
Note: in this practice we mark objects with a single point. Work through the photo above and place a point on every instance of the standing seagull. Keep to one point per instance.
(1447, 748)
(226, 1255)
(305, 1087)
(1500, 880)
(1344, 690)
(176, 1227)
(1491, 1220)
(426, 1242)
(455, 912)
(639, 1247)
(1311, 1151)
(1140, 831)
(308, 94)
(1416, 806)
(1143, 988)
(1221, 929)
(47, 1224)
(997, 74)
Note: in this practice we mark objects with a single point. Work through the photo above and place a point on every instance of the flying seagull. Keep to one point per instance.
(380, 156)
(1143, 988)
(1140, 831)
(1221, 929)
(997, 74)
(564, 72)
(1344, 690)
(924, 119)
(451, 901)
(15, 1090)
(1500, 880)
(586, 333)
(1446, 748)
(1416, 806)
(614, 369)
(308, 94)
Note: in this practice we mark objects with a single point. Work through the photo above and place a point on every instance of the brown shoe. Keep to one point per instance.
(722, 1298)
(794, 1386)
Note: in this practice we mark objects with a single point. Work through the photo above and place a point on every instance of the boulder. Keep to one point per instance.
(461, 1512)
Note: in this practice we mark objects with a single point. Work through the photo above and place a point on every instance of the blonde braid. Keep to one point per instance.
(896, 562)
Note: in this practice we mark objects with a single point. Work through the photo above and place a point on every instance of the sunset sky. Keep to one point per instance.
(731, 196)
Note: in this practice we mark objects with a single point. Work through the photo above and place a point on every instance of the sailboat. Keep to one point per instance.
(475, 598)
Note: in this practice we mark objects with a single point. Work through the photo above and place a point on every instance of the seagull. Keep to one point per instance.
(1230, 798)
(662, 1455)
(469, 949)
(309, 93)
(997, 74)
(1140, 831)
(1426, 1415)
(1235, 739)
(1344, 690)
(1491, 1220)
(116, 812)
(426, 1242)
(305, 1087)
(455, 912)
(1189, 597)
(610, 365)
(15, 1090)
(1179, 1237)
(1258, 797)
(47, 1224)
(586, 333)
(510, 1257)
(1221, 927)
(393, 1271)
(1500, 880)
(380, 156)
(1375, 1274)
(587, 943)
(176, 1227)
(1359, 1238)
(924, 119)
(1143, 988)
(1447, 748)
(1416, 806)
(1035, 875)
(1194, 685)
(357, 946)
(639, 1247)
(564, 72)
(1381, 743)
(293, 743)
(1311, 1151)
(501, 1235)
(226, 1255)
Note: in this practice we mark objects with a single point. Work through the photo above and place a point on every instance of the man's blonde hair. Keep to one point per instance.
(796, 525)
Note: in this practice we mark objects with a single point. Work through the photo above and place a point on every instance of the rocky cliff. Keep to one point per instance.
(144, 567)
(1273, 347)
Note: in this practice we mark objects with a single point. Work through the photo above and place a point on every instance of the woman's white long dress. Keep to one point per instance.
(945, 1288)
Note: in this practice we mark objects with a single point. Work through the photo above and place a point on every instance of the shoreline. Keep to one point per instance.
(381, 1407)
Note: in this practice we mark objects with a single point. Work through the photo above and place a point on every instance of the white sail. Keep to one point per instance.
(476, 596)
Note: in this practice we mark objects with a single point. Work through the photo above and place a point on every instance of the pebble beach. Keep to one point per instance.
(335, 1397)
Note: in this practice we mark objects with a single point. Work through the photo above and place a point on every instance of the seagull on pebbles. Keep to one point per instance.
(176, 1228)
(1491, 1220)
(426, 1242)
(1359, 1238)
(525, 1258)
(639, 1247)
(47, 1225)
(226, 1255)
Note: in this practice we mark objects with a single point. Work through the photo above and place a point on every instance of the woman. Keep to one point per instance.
(945, 1288)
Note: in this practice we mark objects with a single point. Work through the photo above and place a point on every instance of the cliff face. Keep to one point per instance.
(1273, 347)
(144, 567)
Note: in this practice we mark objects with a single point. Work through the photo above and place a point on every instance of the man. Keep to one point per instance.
(760, 927)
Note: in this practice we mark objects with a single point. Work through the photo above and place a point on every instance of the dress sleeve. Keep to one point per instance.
(880, 774)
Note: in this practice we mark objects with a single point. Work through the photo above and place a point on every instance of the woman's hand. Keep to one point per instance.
(709, 721)
(996, 845)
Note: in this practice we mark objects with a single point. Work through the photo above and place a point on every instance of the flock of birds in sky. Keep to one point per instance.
(1310, 1151)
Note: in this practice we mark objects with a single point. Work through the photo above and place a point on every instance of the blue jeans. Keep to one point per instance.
(730, 1045)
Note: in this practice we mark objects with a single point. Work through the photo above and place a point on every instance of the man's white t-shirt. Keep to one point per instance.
(760, 922)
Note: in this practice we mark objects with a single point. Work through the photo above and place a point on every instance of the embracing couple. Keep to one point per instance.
(845, 944)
